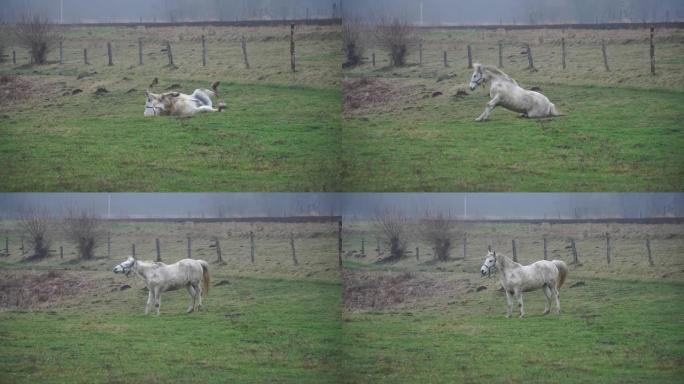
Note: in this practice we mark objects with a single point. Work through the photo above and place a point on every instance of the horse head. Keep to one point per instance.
(489, 264)
(155, 104)
(126, 266)
(478, 77)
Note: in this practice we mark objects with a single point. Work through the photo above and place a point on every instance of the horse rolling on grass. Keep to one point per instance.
(516, 279)
(506, 92)
(159, 277)
(180, 104)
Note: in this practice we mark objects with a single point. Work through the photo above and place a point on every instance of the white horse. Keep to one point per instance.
(506, 92)
(159, 277)
(516, 279)
(180, 104)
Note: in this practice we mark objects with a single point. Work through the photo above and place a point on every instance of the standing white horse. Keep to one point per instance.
(516, 279)
(159, 277)
(180, 104)
(506, 92)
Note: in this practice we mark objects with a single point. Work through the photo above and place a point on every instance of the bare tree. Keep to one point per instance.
(392, 227)
(397, 37)
(36, 223)
(352, 31)
(85, 230)
(439, 230)
(38, 35)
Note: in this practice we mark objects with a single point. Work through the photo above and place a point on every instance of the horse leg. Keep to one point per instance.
(192, 293)
(157, 299)
(206, 108)
(489, 108)
(519, 296)
(547, 302)
(557, 295)
(509, 300)
(198, 289)
(150, 299)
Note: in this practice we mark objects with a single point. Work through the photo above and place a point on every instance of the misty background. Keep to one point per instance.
(515, 12)
(472, 206)
(99, 11)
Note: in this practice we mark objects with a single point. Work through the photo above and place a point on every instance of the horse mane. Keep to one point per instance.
(498, 72)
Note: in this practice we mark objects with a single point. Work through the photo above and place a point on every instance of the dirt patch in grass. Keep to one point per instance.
(362, 94)
(15, 90)
(40, 289)
(367, 291)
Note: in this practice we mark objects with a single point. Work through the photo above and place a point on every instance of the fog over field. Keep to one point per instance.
(470, 12)
(354, 205)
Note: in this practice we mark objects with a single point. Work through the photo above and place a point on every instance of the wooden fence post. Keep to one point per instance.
(420, 53)
(378, 248)
(652, 53)
(169, 53)
(189, 247)
(563, 52)
(23, 250)
(294, 253)
(156, 241)
(445, 59)
(608, 247)
(14, 57)
(61, 52)
(417, 253)
(218, 250)
(648, 250)
(470, 57)
(243, 43)
(339, 242)
(6, 246)
(61, 252)
(140, 51)
(251, 245)
(465, 244)
(545, 256)
(530, 60)
(109, 53)
(373, 56)
(85, 56)
(515, 253)
(363, 251)
(500, 54)
(133, 250)
(605, 55)
(204, 51)
(109, 245)
(292, 47)
(575, 257)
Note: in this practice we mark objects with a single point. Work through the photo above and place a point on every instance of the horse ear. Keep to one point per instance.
(494, 253)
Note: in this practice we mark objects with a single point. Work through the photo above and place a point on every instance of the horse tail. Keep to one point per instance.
(562, 272)
(205, 278)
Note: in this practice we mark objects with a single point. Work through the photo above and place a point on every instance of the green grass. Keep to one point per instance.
(610, 331)
(253, 330)
(611, 139)
(271, 138)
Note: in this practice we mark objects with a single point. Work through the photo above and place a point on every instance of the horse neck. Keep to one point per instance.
(505, 263)
(493, 76)
(142, 268)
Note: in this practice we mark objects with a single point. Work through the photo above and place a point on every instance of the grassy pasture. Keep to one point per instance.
(272, 321)
(279, 132)
(622, 325)
(622, 129)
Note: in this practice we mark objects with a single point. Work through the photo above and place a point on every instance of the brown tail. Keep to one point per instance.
(562, 272)
(205, 278)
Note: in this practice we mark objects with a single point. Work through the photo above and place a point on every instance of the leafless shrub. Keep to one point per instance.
(353, 43)
(85, 230)
(38, 35)
(392, 227)
(439, 230)
(3, 41)
(397, 37)
(36, 223)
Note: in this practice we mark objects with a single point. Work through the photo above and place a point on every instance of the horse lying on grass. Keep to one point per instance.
(516, 279)
(159, 277)
(180, 104)
(506, 92)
